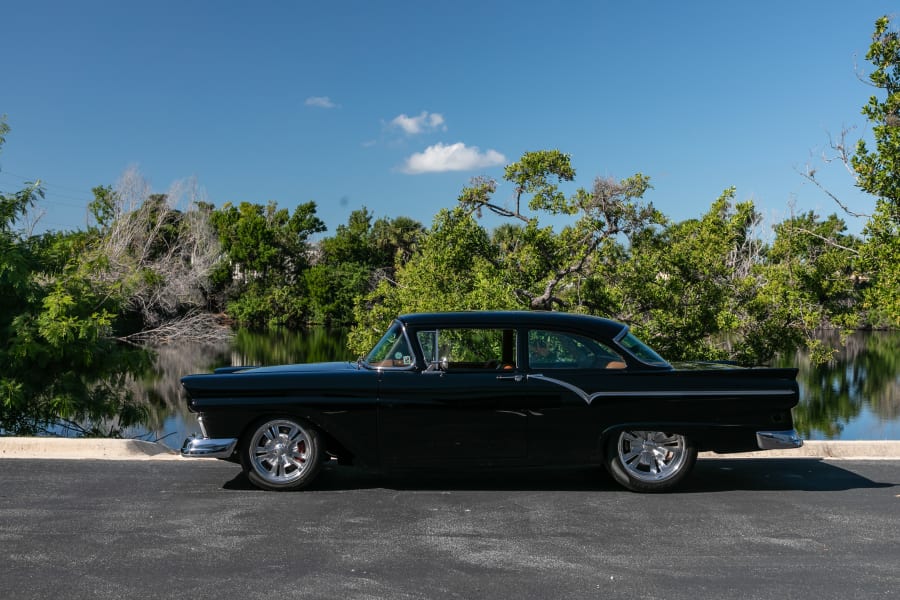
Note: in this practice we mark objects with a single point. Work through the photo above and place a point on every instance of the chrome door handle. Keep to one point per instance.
(516, 378)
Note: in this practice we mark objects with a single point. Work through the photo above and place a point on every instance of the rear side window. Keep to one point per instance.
(561, 350)
(641, 351)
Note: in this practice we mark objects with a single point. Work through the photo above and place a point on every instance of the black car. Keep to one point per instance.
(492, 389)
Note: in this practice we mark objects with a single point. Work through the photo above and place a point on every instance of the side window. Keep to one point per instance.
(560, 350)
(463, 348)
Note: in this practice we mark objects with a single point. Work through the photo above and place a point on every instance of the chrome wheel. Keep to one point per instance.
(281, 454)
(651, 455)
(650, 461)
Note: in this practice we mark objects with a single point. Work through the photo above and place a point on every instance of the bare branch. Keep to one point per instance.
(196, 326)
(810, 175)
(843, 154)
(828, 241)
(477, 196)
(163, 255)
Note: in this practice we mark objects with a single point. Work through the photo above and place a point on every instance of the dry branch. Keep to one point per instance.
(162, 255)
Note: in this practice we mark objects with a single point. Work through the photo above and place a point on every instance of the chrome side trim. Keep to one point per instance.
(778, 440)
(572, 388)
(195, 447)
(657, 393)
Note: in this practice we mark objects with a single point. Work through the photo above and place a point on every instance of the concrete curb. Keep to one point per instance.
(103, 449)
(84, 448)
(850, 449)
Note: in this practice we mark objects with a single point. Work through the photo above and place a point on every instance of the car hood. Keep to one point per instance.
(323, 367)
(250, 381)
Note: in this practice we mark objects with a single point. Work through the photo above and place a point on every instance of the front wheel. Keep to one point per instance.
(649, 461)
(281, 454)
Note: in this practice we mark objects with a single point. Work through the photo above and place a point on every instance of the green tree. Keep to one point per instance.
(450, 271)
(805, 282)
(396, 240)
(678, 285)
(58, 362)
(341, 272)
(878, 170)
(816, 256)
(879, 260)
(709, 288)
(546, 268)
(267, 251)
(265, 243)
(350, 263)
(878, 173)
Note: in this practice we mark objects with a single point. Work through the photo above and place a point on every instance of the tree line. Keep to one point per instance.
(156, 268)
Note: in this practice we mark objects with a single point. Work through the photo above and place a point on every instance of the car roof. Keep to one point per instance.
(530, 319)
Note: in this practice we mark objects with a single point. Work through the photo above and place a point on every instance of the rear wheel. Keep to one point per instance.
(649, 461)
(281, 454)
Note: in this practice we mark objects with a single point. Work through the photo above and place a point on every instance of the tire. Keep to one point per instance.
(649, 461)
(281, 454)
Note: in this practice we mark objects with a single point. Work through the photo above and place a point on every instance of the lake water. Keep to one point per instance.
(854, 397)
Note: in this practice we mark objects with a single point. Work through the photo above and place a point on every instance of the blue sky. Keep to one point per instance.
(397, 105)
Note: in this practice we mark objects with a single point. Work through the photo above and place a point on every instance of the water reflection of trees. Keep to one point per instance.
(288, 347)
(864, 374)
(160, 386)
(159, 390)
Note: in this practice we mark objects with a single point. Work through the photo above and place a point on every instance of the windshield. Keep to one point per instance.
(393, 351)
(641, 351)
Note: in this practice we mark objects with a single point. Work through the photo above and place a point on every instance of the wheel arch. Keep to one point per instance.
(692, 431)
(330, 443)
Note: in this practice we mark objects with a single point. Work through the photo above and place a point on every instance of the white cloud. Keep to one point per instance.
(320, 102)
(455, 157)
(424, 122)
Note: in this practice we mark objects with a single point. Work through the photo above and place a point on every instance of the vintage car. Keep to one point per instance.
(491, 389)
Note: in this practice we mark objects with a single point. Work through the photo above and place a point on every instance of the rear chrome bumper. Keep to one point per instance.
(778, 440)
(197, 447)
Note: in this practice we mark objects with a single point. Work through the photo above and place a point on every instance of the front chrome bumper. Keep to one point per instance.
(198, 447)
(778, 440)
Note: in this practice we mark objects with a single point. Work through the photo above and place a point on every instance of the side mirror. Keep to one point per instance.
(440, 366)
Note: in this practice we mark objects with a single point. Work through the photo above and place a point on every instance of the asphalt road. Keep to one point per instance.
(742, 528)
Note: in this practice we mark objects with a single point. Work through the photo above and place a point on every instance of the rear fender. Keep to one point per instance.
(693, 431)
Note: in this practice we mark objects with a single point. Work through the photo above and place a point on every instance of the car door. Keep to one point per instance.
(566, 375)
(463, 407)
